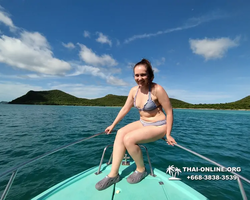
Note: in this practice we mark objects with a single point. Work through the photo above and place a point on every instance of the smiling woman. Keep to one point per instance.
(153, 124)
(146, 73)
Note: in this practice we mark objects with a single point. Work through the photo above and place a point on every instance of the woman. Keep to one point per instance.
(153, 124)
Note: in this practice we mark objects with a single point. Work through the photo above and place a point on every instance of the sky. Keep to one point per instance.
(199, 50)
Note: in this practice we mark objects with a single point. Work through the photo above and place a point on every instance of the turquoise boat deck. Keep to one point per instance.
(82, 186)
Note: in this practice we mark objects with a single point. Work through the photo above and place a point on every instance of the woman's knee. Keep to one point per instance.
(120, 135)
(128, 140)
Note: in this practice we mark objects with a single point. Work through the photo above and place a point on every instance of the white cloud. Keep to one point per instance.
(155, 70)
(36, 76)
(94, 71)
(159, 62)
(31, 51)
(31, 76)
(103, 39)
(130, 65)
(86, 34)
(115, 81)
(28, 76)
(90, 91)
(148, 35)
(216, 14)
(85, 69)
(114, 70)
(89, 57)
(34, 39)
(70, 45)
(191, 23)
(5, 19)
(212, 48)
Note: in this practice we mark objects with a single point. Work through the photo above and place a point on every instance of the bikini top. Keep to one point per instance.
(149, 105)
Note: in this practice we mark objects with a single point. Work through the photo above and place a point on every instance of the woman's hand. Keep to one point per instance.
(109, 129)
(171, 140)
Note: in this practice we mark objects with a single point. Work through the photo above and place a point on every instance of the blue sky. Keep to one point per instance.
(200, 50)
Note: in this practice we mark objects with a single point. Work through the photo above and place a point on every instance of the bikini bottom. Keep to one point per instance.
(157, 123)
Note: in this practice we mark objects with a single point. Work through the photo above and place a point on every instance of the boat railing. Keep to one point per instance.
(239, 177)
(15, 169)
(125, 162)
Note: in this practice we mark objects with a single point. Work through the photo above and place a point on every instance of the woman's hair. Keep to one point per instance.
(149, 69)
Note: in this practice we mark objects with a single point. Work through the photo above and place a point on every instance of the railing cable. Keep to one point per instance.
(215, 163)
(15, 169)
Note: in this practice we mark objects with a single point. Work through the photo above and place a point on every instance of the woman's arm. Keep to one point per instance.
(166, 104)
(125, 109)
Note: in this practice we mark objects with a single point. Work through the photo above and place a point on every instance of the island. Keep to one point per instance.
(4, 102)
(57, 97)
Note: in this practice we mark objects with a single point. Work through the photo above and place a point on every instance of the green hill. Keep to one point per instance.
(57, 97)
(111, 100)
(245, 100)
(52, 97)
(179, 104)
(240, 104)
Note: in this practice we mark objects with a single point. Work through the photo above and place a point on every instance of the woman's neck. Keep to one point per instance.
(145, 88)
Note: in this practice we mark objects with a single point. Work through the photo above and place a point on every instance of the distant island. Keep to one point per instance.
(4, 102)
(57, 97)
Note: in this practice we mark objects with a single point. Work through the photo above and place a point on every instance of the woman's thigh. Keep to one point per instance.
(128, 128)
(145, 134)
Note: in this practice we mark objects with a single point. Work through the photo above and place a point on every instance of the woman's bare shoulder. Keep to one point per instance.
(133, 90)
(158, 89)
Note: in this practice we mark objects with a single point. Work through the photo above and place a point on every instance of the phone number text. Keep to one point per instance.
(212, 177)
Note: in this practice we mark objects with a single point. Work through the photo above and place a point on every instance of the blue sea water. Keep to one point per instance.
(27, 131)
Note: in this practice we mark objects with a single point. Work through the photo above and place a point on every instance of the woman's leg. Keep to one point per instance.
(119, 148)
(127, 138)
(143, 135)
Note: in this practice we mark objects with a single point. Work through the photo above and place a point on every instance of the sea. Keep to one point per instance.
(27, 131)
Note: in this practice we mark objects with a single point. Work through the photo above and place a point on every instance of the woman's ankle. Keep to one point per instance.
(140, 169)
(112, 175)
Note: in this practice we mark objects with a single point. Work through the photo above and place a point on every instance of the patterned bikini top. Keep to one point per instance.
(149, 105)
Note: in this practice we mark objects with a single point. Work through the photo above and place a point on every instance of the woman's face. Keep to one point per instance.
(141, 76)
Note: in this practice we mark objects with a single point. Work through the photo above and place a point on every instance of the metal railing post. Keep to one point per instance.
(151, 170)
(108, 163)
(7, 188)
(242, 191)
(103, 153)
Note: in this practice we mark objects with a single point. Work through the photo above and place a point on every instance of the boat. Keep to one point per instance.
(157, 185)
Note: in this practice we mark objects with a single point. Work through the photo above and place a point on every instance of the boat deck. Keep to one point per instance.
(82, 186)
